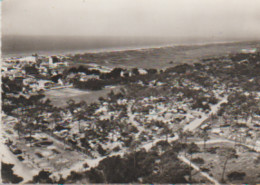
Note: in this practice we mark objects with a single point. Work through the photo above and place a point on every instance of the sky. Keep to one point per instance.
(142, 18)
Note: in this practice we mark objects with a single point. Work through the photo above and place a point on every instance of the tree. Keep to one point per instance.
(31, 70)
(80, 116)
(115, 73)
(186, 135)
(169, 169)
(180, 134)
(205, 136)
(43, 177)
(135, 71)
(226, 154)
(191, 149)
(56, 117)
(116, 170)
(56, 78)
(236, 131)
(133, 147)
(71, 105)
(18, 127)
(29, 118)
(166, 131)
(8, 175)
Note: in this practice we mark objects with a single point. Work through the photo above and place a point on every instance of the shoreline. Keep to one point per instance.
(118, 49)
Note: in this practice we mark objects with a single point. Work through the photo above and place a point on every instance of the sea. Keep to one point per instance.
(18, 46)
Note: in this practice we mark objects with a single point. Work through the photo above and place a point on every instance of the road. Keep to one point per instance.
(197, 122)
(222, 140)
(194, 166)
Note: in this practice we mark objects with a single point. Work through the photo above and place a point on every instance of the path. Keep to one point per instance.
(132, 120)
(204, 174)
(222, 140)
(60, 87)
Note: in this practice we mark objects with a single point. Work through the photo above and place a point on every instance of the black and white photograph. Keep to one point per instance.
(130, 92)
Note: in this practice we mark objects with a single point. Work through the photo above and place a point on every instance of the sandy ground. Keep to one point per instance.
(164, 57)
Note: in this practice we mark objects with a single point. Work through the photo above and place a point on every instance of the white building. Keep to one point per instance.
(28, 59)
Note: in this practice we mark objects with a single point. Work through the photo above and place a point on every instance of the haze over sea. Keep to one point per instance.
(15, 46)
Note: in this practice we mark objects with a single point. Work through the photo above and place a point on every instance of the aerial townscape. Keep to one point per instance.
(182, 114)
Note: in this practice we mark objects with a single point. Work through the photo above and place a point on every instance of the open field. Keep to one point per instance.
(245, 162)
(59, 97)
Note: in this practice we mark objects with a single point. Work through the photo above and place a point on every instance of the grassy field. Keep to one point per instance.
(59, 97)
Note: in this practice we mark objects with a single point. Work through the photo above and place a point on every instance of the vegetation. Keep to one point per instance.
(8, 175)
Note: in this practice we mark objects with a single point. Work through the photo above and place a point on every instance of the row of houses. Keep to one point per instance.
(50, 61)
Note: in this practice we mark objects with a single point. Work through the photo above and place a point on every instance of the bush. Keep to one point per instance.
(198, 160)
(116, 149)
(212, 150)
(85, 165)
(39, 155)
(204, 169)
(101, 151)
(20, 158)
(236, 176)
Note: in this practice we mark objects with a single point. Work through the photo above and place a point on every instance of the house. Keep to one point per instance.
(29, 59)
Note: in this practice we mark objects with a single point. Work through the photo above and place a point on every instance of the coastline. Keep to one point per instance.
(115, 49)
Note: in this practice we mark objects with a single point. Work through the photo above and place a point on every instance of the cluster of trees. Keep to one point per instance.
(23, 102)
(242, 71)
(108, 78)
(240, 105)
(56, 78)
(11, 86)
(31, 70)
(251, 57)
(8, 175)
(91, 84)
(83, 69)
(199, 100)
(182, 68)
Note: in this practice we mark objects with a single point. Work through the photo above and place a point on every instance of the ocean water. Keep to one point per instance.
(15, 46)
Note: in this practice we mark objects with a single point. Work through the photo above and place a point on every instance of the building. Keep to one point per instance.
(29, 59)
(54, 61)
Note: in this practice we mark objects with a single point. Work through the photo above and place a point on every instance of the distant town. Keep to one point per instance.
(69, 122)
